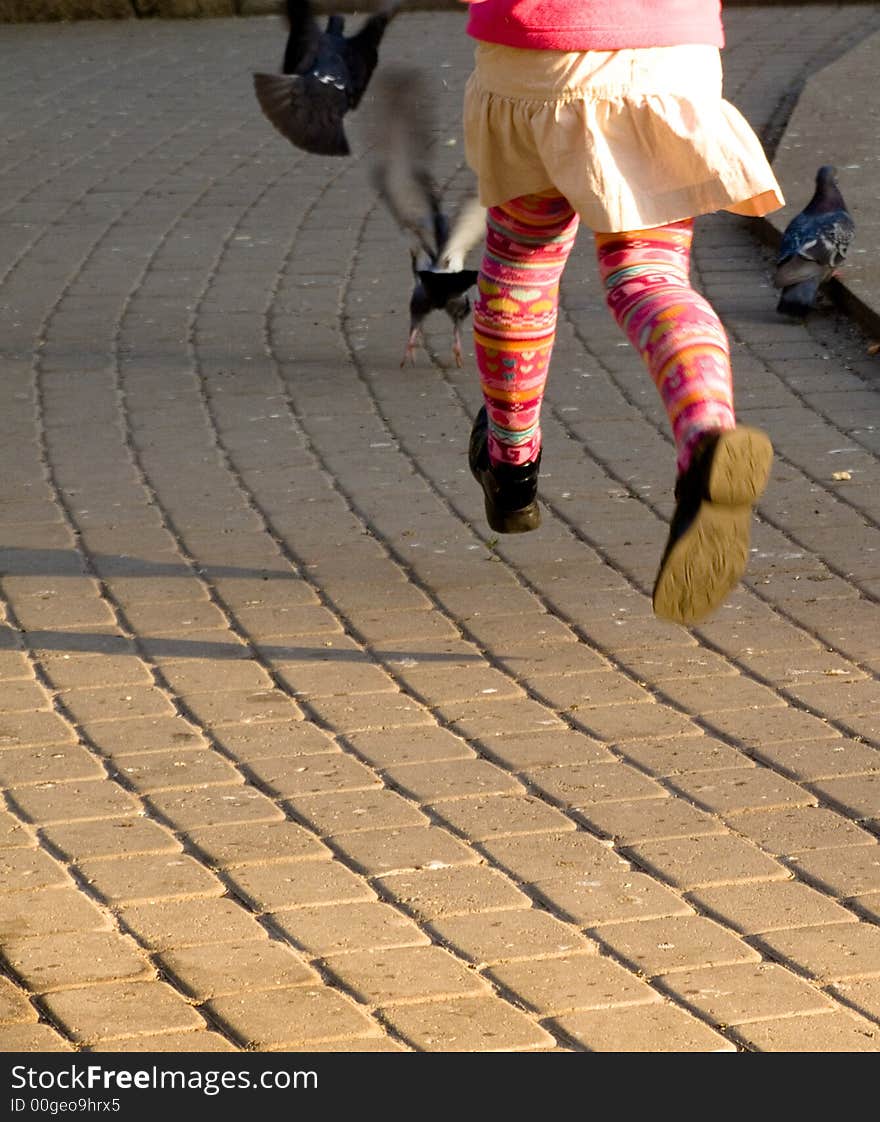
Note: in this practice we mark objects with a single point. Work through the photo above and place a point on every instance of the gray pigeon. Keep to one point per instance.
(814, 243)
(324, 76)
(402, 176)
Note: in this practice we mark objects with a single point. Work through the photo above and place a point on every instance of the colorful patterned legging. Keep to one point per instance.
(646, 278)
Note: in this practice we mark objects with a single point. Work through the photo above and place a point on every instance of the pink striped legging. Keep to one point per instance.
(646, 278)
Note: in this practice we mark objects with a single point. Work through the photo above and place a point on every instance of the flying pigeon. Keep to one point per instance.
(324, 75)
(403, 178)
(814, 243)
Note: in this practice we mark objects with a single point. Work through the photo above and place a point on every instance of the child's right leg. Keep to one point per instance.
(528, 241)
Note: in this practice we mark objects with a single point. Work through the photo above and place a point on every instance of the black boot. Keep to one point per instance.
(708, 544)
(509, 490)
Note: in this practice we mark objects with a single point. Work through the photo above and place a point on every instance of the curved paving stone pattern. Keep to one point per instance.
(297, 756)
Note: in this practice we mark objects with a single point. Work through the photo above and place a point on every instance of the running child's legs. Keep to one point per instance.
(527, 245)
(646, 276)
(677, 332)
(722, 468)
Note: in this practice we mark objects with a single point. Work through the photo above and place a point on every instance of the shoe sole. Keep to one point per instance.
(514, 521)
(710, 557)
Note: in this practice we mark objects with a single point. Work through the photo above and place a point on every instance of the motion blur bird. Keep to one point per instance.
(324, 76)
(813, 245)
(402, 176)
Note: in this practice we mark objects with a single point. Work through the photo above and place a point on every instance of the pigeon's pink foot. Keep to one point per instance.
(456, 350)
(409, 354)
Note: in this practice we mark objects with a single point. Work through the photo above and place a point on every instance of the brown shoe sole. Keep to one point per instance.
(703, 566)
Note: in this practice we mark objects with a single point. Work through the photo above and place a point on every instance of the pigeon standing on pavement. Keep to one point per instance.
(324, 76)
(814, 243)
(403, 178)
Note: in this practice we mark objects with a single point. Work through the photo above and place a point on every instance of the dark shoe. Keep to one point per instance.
(509, 489)
(709, 535)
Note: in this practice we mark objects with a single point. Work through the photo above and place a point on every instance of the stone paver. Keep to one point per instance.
(402, 849)
(210, 971)
(562, 985)
(269, 1019)
(119, 1009)
(505, 936)
(641, 1028)
(332, 929)
(54, 961)
(839, 1032)
(732, 994)
(485, 1024)
(295, 754)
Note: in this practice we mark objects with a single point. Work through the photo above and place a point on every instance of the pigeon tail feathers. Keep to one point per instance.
(798, 300)
(442, 287)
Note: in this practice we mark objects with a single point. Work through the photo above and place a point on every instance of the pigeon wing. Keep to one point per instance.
(305, 110)
(465, 232)
(303, 38)
(361, 53)
(812, 246)
(401, 172)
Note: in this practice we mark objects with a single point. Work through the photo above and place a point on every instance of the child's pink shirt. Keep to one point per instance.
(595, 25)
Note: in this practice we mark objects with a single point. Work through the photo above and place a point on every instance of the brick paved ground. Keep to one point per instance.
(295, 755)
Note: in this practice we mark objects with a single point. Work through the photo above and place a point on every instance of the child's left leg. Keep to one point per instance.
(674, 328)
(722, 468)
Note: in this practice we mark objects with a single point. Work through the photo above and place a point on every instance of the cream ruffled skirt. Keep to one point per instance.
(632, 138)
